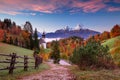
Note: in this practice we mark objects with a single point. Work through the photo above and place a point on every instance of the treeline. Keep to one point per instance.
(67, 46)
(114, 32)
(16, 35)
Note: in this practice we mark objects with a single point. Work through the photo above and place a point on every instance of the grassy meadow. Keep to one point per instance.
(7, 49)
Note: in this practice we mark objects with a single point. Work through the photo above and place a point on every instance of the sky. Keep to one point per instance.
(50, 15)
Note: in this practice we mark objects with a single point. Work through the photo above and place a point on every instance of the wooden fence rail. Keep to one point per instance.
(12, 62)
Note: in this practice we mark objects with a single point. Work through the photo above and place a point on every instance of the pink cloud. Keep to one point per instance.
(10, 12)
(34, 5)
(117, 1)
(89, 6)
(14, 7)
(111, 9)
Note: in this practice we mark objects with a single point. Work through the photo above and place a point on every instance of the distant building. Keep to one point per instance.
(42, 41)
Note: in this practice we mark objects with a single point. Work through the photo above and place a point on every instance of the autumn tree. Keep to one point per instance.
(55, 55)
(13, 30)
(97, 37)
(2, 34)
(25, 35)
(19, 30)
(16, 41)
(105, 35)
(11, 40)
(68, 45)
(5, 37)
(28, 27)
(115, 31)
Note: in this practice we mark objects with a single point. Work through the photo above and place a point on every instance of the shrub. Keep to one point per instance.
(93, 55)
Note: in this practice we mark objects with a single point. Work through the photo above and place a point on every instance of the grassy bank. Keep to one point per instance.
(95, 75)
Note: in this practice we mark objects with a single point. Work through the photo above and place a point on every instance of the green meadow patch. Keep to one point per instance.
(110, 42)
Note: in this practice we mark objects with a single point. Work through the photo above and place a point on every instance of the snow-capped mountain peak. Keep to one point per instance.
(66, 28)
(78, 27)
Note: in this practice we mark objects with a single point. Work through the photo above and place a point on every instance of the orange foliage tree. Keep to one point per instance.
(105, 35)
(97, 37)
(25, 35)
(115, 31)
(68, 45)
(1, 34)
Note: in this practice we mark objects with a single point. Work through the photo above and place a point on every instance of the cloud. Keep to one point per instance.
(112, 9)
(33, 14)
(14, 7)
(10, 12)
(117, 1)
(8, 6)
(89, 6)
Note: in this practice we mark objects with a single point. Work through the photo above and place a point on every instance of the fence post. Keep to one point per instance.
(12, 63)
(38, 61)
(36, 64)
(25, 63)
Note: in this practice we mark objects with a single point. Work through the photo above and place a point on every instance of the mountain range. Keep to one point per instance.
(67, 32)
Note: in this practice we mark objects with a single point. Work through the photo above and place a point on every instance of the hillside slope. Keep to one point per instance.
(114, 45)
(7, 49)
(111, 44)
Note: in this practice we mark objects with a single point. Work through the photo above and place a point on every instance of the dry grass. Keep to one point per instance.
(95, 75)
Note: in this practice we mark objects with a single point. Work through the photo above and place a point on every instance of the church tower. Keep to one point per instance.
(42, 41)
(43, 35)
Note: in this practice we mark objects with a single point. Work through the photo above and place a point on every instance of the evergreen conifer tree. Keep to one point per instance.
(56, 52)
(36, 41)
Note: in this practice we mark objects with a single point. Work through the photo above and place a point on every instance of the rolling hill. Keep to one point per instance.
(111, 44)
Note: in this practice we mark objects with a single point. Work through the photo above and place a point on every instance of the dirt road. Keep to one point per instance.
(56, 72)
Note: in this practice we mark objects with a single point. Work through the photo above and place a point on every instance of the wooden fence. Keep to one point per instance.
(13, 60)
